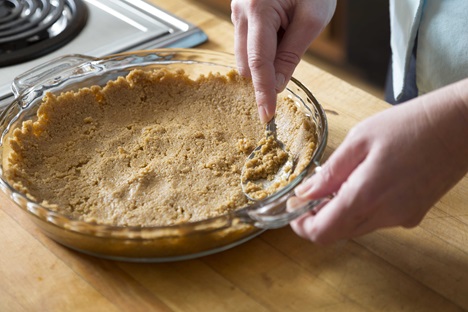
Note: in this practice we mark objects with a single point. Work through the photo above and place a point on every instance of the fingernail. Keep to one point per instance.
(279, 82)
(307, 186)
(300, 189)
(262, 112)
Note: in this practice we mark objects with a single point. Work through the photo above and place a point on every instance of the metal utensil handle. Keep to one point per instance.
(51, 70)
(271, 125)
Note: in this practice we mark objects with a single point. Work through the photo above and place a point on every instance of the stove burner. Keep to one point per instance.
(32, 28)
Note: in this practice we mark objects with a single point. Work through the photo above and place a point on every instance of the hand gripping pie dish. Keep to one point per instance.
(138, 156)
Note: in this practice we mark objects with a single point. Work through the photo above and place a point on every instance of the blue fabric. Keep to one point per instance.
(442, 44)
(439, 29)
(410, 90)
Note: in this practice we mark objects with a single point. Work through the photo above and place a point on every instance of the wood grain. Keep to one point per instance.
(423, 269)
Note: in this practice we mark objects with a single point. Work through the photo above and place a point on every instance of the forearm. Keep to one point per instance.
(391, 168)
(447, 112)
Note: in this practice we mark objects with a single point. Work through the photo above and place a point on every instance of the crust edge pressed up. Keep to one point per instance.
(149, 149)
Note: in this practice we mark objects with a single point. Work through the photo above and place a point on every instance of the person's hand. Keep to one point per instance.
(270, 38)
(390, 169)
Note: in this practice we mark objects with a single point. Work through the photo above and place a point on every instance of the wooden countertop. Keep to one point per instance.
(423, 269)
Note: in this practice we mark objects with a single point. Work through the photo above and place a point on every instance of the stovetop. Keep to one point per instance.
(114, 26)
(33, 28)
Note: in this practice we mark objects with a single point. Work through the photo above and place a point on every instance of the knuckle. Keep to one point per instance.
(327, 174)
(412, 221)
(359, 219)
(234, 4)
(287, 57)
(354, 133)
(236, 11)
(234, 18)
(254, 5)
(357, 138)
(240, 9)
(256, 61)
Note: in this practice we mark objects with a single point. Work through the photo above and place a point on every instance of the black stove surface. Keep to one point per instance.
(33, 28)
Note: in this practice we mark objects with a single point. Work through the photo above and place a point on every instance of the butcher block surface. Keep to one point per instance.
(419, 269)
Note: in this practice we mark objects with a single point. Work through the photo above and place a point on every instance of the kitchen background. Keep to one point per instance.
(355, 46)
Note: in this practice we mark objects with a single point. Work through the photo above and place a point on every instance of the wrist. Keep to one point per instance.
(446, 110)
(461, 89)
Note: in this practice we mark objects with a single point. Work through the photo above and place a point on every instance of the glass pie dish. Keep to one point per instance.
(149, 243)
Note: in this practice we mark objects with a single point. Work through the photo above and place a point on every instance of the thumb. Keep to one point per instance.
(334, 172)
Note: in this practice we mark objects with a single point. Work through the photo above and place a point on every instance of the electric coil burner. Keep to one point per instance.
(32, 28)
(33, 32)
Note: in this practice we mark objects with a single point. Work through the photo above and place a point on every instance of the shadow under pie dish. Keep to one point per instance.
(137, 156)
